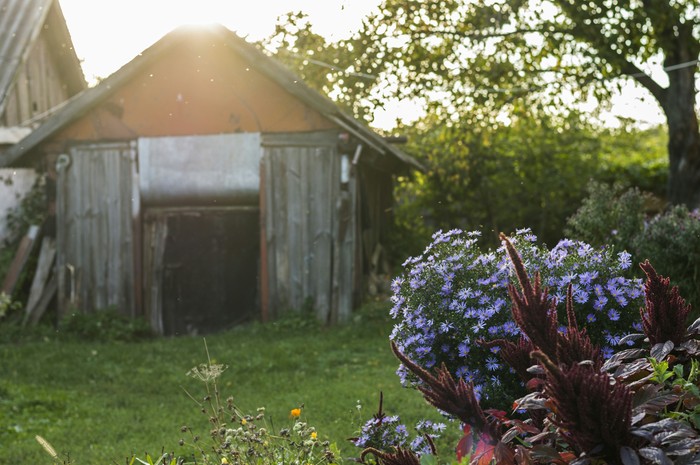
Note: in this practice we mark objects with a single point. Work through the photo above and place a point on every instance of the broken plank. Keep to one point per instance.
(20, 260)
(50, 291)
(44, 266)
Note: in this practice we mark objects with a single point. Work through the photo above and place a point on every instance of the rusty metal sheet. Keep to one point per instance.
(200, 170)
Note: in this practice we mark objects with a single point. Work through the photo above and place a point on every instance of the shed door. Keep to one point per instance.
(309, 230)
(97, 203)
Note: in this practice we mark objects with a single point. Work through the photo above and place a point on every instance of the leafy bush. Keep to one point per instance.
(610, 215)
(635, 157)
(641, 406)
(531, 170)
(7, 305)
(670, 239)
(453, 296)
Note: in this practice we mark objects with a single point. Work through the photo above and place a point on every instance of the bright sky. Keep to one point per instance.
(107, 34)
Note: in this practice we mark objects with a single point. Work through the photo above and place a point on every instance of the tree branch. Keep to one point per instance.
(483, 35)
(594, 36)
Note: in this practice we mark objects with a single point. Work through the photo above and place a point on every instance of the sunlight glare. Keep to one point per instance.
(107, 35)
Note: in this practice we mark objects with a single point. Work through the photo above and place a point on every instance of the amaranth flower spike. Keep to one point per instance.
(665, 312)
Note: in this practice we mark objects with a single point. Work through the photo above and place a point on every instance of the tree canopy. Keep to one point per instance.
(470, 61)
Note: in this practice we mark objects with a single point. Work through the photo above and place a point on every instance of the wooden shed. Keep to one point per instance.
(38, 66)
(39, 70)
(203, 184)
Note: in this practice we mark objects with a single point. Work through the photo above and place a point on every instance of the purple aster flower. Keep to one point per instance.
(612, 339)
(445, 327)
(600, 302)
(492, 364)
(624, 259)
(566, 279)
(580, 296)
(464, 294)
(461, 372)
(598, 289)
(587, 277)
(463, 349)
(584, 249)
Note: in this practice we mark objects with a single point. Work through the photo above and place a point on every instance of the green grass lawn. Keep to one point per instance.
(101, 402)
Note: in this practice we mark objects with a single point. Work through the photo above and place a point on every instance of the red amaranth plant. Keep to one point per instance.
(665, 313)
(515, 354)
(593, 411)
(579, 413)
(532, 310)
(456, 398)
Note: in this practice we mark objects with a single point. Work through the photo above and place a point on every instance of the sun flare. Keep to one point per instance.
(107, 35)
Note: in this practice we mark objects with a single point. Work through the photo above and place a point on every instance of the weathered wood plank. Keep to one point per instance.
(280, 226)
(47, 254)
(348, 243)
(296, 250)
(24, 250)
(47, 295)
(320, 202)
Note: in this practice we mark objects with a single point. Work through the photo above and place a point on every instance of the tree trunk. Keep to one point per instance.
(683, 138)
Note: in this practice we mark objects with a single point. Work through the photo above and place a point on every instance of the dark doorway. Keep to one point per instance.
(210, 270)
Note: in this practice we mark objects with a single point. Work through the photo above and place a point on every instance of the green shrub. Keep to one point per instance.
(610, 215)
(670, 240)
(7, 305)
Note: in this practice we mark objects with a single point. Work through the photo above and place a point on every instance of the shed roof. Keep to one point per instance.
(273, 69)
(21, 22)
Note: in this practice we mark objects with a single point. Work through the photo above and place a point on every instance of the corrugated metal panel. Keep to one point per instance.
(20, 23)
(95, 229)
(194, 170)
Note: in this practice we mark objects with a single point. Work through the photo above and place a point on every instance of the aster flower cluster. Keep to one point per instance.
(455, 295)
(388, 433)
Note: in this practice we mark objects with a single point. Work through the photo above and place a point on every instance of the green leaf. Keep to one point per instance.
(428, 459)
